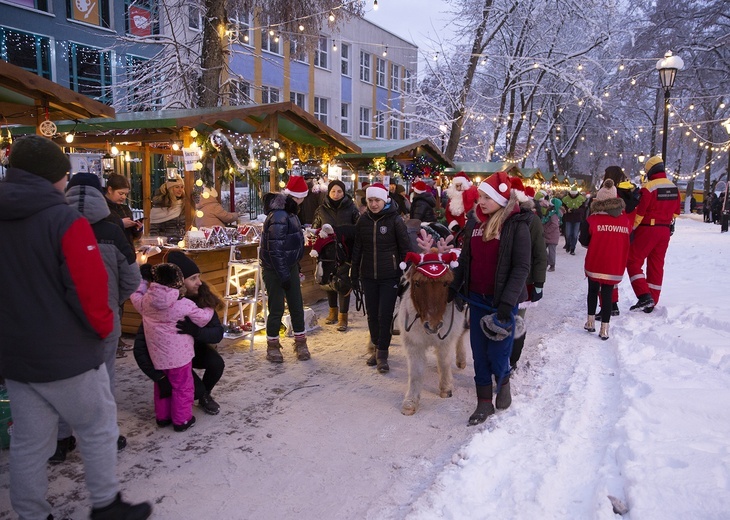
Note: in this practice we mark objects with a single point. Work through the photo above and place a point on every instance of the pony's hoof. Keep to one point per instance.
(461, 364)
(408, 408)
(446, 393)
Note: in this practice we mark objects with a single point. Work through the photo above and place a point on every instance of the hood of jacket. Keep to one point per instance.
(427, 197)
(274, 201)
(612, 206)
(89, 201)
(23, 194)
(162, 297)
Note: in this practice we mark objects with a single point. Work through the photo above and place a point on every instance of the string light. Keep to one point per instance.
(375, 5)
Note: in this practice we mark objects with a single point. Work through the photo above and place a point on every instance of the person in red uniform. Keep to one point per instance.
(607, 239)
(659, 205)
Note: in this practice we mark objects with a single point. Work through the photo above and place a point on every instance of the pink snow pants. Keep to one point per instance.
(178, 407)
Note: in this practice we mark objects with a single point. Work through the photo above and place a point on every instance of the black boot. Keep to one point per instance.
(504, 397)
(63, 447)
(120, 510)
(382, 358)
(485, 408)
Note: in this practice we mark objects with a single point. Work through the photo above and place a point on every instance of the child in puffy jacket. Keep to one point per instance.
(159, 299)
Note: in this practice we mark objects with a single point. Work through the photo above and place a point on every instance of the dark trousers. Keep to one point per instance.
(277, 295)
(206, 358)
(380, 297)
(335, 299)
(572, 230)
(491, 358)
(606, 290)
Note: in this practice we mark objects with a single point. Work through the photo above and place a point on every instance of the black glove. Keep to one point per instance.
(671, 228)
(286, 284)
(356, 285)
(146, 271)
(536, 292)
(451, 296)
(164, 386)
(186, 326)
(504, 312)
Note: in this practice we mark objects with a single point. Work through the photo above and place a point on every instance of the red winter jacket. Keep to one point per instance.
(659, 203)
(608, 241)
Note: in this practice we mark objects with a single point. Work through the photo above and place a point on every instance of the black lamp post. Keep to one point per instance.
(725, 216)
(667, 67)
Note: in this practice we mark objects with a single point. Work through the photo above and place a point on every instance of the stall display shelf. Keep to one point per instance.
(245, 290)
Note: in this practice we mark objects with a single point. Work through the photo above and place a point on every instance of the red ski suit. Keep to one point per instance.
(658, 206)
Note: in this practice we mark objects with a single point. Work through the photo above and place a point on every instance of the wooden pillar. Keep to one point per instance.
(189, 179)
(146, 188)
(273, 128)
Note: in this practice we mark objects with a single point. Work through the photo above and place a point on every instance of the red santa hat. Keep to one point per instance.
(296, 187)
(462, 178)
(519, 189)
(432, 265)
(530, 191)
(378, 191)
(497, 187)
(420, 187)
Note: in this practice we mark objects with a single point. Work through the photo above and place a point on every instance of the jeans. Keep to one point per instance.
(572, 229)
(380, 298)
(491, 358)
(276, 297)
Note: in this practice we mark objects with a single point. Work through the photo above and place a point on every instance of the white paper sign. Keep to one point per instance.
(191, 155)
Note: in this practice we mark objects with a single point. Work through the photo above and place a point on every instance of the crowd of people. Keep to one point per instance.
(79, 258)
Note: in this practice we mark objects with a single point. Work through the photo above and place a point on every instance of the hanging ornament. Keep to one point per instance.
(47, 128)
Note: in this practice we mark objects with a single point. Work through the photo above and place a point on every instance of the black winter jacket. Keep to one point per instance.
(513, 262)
(282, 240)
(381, 244)
(537, 239)
(330, 212)
(422, 207)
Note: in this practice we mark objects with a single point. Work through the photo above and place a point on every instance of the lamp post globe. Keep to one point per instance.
(667, 67)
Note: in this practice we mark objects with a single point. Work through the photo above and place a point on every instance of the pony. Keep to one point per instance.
(426, 319)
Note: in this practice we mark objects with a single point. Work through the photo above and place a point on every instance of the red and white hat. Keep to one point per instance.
(497, 188)
(420, 187)
(432, 265)
(378, 191)
(461, 178)
(296, 187)
(519, 189)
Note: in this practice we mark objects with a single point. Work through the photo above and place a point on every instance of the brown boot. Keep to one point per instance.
(332, 316)
(342, 322)
(301, 350)
(604, 331)
(504, 397)
(485, 408)
(273, 351)
(382, 359)
(371, 362)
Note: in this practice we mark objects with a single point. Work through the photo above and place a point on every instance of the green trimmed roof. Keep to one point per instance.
(482, 168)
(374, 148)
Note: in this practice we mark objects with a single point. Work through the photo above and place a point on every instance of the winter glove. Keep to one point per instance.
(493, 328)
(146, 271)
(286, 285)
(671, 228)
(504, 312)
(164, 387)
(536, 292)
(186, 326)
(355, 280)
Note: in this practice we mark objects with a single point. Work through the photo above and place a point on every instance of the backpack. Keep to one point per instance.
(333, 270)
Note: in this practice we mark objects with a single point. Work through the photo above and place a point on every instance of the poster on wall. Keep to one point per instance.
(86, 162)
(86, 11)
(140, 21)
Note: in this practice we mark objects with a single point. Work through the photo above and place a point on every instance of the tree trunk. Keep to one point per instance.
(213, 57)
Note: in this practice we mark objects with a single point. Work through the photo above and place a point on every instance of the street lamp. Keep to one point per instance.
(725, 216)
(443, 128)
(667, 67)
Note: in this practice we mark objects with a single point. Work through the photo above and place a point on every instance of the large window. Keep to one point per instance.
(140, 17)
(95, 13)
(239, 92)
(298, 99)
(345, 119)
(239, 23)
(321, 56)
(269, 95)
(365, 67)
(406, 130)
(41, 5)
(270, 41)
(393, 128)
(144, 90)
(321, 109)
(365, 122)
(380, 72)
(379, 124)
(345, 59)
(195, 21)
(90, 72)
(31, 52)
(394, 77)
(298, 50)
(407, 81)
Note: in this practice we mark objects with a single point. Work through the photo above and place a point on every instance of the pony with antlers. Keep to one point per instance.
(426, 319)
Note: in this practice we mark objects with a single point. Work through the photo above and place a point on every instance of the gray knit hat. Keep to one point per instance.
(40, 156)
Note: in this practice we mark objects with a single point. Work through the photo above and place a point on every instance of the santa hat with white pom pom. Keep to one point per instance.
(432, 265)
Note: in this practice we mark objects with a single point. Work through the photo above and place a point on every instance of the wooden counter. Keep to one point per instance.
(213, 266)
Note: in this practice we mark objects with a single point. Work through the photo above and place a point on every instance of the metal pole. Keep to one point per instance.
(724, 215)
(666, 127)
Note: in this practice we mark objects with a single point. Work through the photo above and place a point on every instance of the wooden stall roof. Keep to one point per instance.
(483, 168)
(282, 119)
(396, 149)
(24, 97)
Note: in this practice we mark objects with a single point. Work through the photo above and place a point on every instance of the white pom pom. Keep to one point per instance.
(326, 231)
(502, 188)
(313, 253)
(403, 266)
(453, 264)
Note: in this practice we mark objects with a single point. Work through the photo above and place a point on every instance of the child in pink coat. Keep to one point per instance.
(162, 305)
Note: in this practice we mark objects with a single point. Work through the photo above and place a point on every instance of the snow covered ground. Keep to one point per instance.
(643, 417)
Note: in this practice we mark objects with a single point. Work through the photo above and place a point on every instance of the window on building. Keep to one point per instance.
(379, 124)
(144, 91)
(380, 72)
(195, 21)
(298, 50)
(40, 5)
(95, 13)
(406, 130)
(29, 51)
(269, 94)
(321, 56)
(365, 67)
(394, 77)
(393, 128)
(140, 17)
(239, 92)
(90, 72)
(345, 59)
(407, 86)
(239, 23)
(270, 42)
(298, 99)
(321, 109)
(345, 119)
(365, 122)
